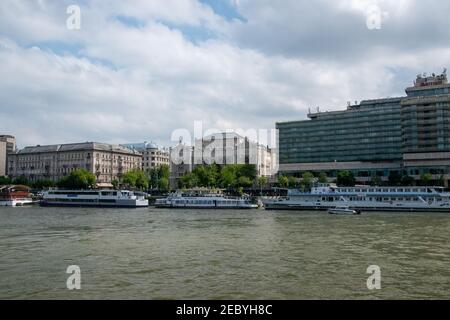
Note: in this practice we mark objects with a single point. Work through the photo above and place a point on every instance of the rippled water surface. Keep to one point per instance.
(169, 254)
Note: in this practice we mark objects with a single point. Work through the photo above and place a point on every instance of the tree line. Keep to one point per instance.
(156, 178)
(346, 178)
(233, 176)
(237, 176)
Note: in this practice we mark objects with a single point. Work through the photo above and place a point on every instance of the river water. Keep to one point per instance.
(195, 254)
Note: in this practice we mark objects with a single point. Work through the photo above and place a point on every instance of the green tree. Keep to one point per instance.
(142, 180)
(115, 183)
(408, 181)
(163, 184)
(164, 171)
(5, 181)
(346, 179)
(247, 170)
(129, 178)
(262, 181)
(245, 182)
(202, 175)
(395, 178)
(283, 181)
(21, 181)
(44, 184)
(323, 178)
(292, 182)
(189, 180)
(376, 181)
(307, 180)
(441, 181)
(426, 179)
(136, 179)
(78, 179)
(228, 176)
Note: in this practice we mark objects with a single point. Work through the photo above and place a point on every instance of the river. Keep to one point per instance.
(212, 254)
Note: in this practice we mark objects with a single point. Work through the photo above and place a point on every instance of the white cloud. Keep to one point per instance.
(114, 82)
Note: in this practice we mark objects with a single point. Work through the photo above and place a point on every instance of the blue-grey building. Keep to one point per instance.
(407, 135)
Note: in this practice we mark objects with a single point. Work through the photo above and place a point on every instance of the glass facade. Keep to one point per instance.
(426, 124)
(370, 131)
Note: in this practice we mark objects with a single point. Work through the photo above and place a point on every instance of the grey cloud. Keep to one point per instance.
(323, 30)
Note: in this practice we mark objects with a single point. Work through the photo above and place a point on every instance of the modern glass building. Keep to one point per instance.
(407, 135)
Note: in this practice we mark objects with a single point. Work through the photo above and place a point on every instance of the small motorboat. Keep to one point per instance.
(344, 210)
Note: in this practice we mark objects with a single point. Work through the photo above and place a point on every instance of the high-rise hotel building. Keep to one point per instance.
(406, 135)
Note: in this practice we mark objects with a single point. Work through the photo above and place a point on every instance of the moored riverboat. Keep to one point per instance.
(204, 200)
(15, 196)
(94, 198)
(364, 198)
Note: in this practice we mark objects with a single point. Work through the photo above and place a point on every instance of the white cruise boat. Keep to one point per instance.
(196, 200)
(94, 198)
(364, 198)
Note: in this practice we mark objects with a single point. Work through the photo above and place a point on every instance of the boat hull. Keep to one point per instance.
(125, 204)
(16, 202)
(291, 207)
(205, 207)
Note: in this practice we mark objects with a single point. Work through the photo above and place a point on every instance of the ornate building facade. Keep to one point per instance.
(107, 162)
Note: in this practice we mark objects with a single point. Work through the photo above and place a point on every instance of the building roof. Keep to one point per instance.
(222, 135)
(142, 146)
(77, 147)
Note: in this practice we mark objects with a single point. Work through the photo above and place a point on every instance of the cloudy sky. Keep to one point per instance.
(138, 69)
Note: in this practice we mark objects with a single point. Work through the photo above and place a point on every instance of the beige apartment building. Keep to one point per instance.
(107, 162)
(153, 156)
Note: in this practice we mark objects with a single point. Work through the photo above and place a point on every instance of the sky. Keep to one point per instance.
(136, 70)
